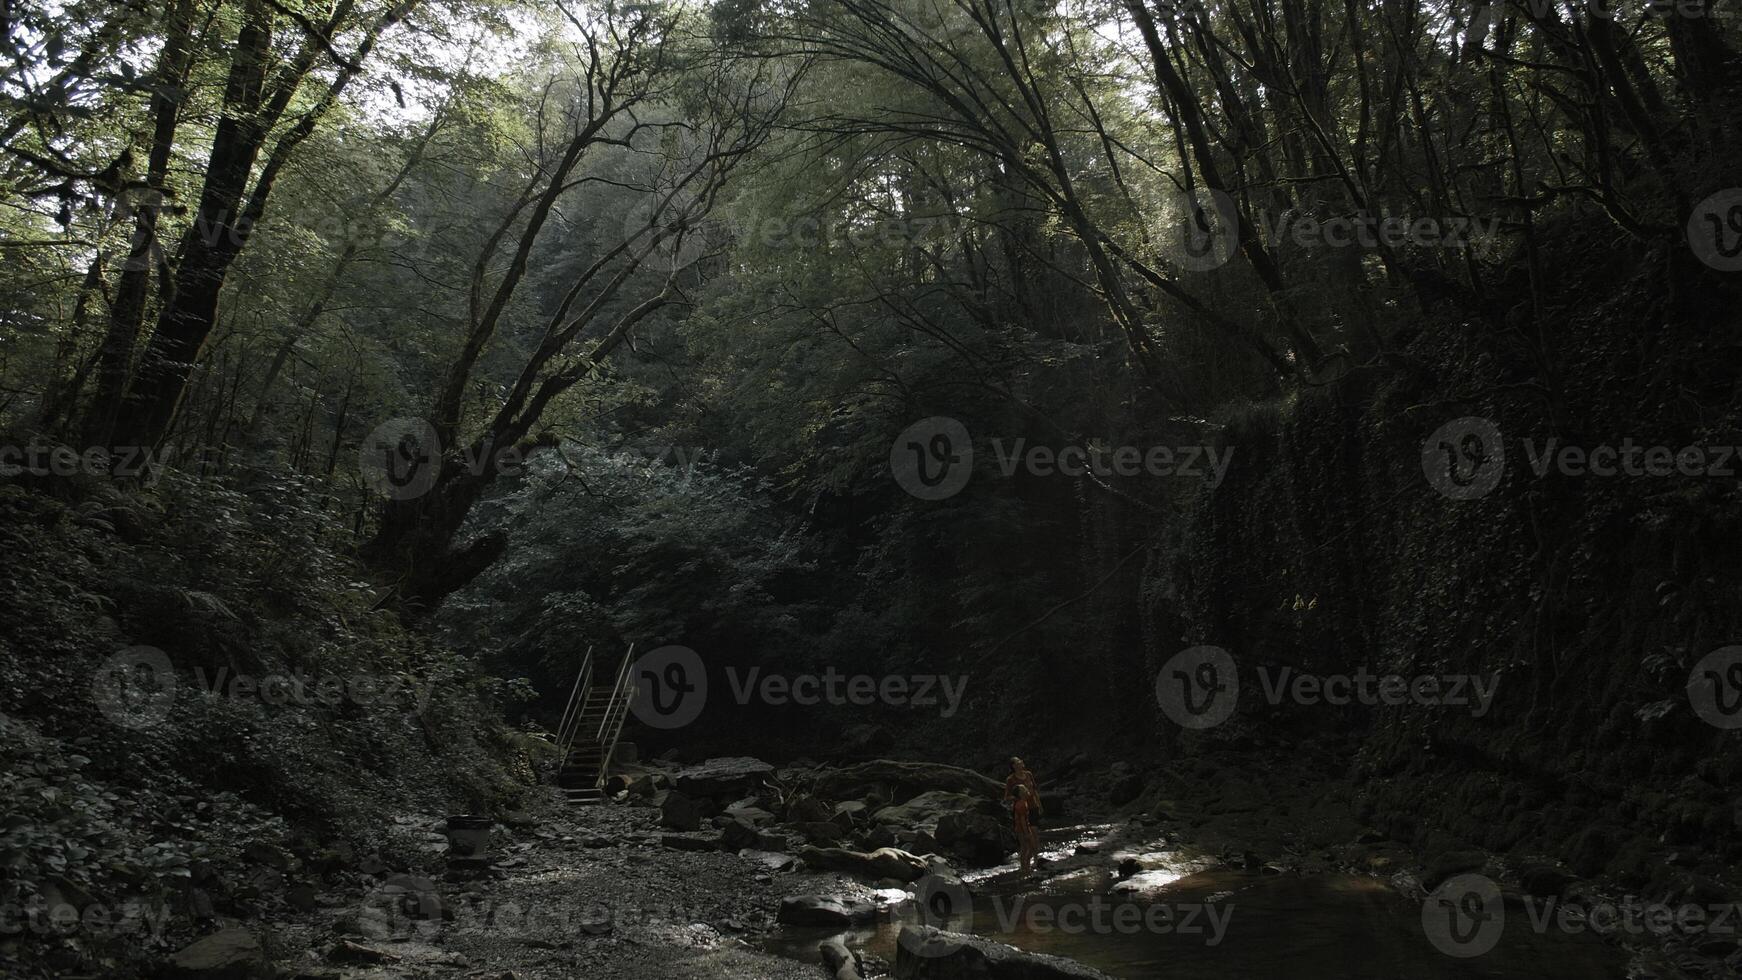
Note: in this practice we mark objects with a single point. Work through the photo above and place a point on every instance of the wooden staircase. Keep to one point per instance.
(589, 731)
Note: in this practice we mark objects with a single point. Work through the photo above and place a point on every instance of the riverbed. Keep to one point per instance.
(1188, 916)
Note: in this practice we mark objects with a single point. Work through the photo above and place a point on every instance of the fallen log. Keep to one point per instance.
(885, 862)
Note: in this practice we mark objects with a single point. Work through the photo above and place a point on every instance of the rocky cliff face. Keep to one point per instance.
(1568, 548)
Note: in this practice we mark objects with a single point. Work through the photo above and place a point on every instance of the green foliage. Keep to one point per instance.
(220, 579)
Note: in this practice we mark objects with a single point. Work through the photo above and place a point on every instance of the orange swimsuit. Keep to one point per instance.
(1019, 811)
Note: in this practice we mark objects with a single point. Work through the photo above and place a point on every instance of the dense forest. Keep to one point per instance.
(1305, 431)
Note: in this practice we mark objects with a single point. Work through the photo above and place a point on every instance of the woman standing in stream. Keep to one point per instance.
(1022, 795)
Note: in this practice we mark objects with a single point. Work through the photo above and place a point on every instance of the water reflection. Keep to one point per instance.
(1177, 916)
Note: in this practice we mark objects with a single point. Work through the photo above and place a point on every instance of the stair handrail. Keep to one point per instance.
(611, 726)
(571, 723)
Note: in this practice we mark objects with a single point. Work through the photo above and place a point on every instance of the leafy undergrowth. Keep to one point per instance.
(295, 721)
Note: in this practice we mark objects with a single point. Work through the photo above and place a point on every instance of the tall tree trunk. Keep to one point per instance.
(228, 211)
(208, 245)
(127, 311)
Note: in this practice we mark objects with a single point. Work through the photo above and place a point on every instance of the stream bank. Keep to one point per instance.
(615, 891)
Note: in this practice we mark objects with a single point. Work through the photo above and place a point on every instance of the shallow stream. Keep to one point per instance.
(1189, 918)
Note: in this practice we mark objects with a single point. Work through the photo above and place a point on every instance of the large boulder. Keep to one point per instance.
(732, 777)
(821, 910)
(849, 813)
(885, 862)
(807, 809)
(750, 813)
(228, 954)
(769, 860)
(925, 953)
(647, 784)
(737, 835)
(679, 812)
(925, 810)
(976, 838)
(911, 778)
(1123, 784)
